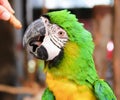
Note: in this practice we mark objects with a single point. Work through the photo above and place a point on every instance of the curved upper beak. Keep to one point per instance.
(35, 29)
(34, 35)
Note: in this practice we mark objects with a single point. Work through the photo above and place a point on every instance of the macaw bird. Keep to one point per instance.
(67, 49)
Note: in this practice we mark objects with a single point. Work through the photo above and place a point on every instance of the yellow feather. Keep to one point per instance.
(64, 89)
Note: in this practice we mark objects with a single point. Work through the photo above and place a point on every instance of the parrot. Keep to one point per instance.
(66, 47)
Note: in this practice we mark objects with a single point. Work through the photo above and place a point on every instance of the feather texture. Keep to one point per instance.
(76, 70)
(103, 91)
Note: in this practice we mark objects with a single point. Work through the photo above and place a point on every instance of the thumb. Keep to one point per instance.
(4, 14)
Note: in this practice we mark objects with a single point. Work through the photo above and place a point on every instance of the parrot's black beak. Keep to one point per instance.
(34, 36)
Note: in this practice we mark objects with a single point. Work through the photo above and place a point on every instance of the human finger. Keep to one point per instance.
(15, 22)
(4, 14)
(7, 5)
(7, 16)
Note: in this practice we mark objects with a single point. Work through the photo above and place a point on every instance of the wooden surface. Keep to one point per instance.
(116, 58)
(102, 30)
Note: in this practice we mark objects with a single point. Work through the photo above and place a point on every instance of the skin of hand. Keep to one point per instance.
(7, 14)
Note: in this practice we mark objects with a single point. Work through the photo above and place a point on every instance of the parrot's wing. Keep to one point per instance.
(103, 91)
(48, 95)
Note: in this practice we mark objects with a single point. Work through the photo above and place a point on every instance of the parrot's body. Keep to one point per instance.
(70, 70)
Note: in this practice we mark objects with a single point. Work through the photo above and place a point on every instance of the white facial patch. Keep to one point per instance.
(55, 38)
(51, 48)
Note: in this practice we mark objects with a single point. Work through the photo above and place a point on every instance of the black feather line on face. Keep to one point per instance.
(54, 43)
(56, 60)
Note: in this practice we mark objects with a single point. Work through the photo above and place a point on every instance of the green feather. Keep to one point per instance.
(103, 91)
(48, 95)
(82, 68)
(77, 64)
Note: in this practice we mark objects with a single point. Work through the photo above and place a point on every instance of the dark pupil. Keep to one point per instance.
(60, 33)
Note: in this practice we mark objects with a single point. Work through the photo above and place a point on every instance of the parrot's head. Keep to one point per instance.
(44, 39)
(47, 37)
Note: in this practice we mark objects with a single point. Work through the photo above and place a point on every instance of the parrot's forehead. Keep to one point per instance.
(47, 23)
(51, 28)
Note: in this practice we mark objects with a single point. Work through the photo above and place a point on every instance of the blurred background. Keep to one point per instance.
(21, 76)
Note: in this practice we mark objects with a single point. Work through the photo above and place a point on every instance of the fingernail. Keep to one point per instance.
(12, 11)
(5, 16)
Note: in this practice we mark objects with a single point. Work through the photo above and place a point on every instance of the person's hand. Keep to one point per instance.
(7, 14)
(5, 10)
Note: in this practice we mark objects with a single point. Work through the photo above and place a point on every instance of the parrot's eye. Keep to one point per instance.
(61, 33)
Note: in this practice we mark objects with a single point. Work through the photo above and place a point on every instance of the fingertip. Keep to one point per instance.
(12, 11)
(15, 22)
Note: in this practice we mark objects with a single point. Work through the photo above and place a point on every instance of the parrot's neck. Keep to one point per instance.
(73, 66)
